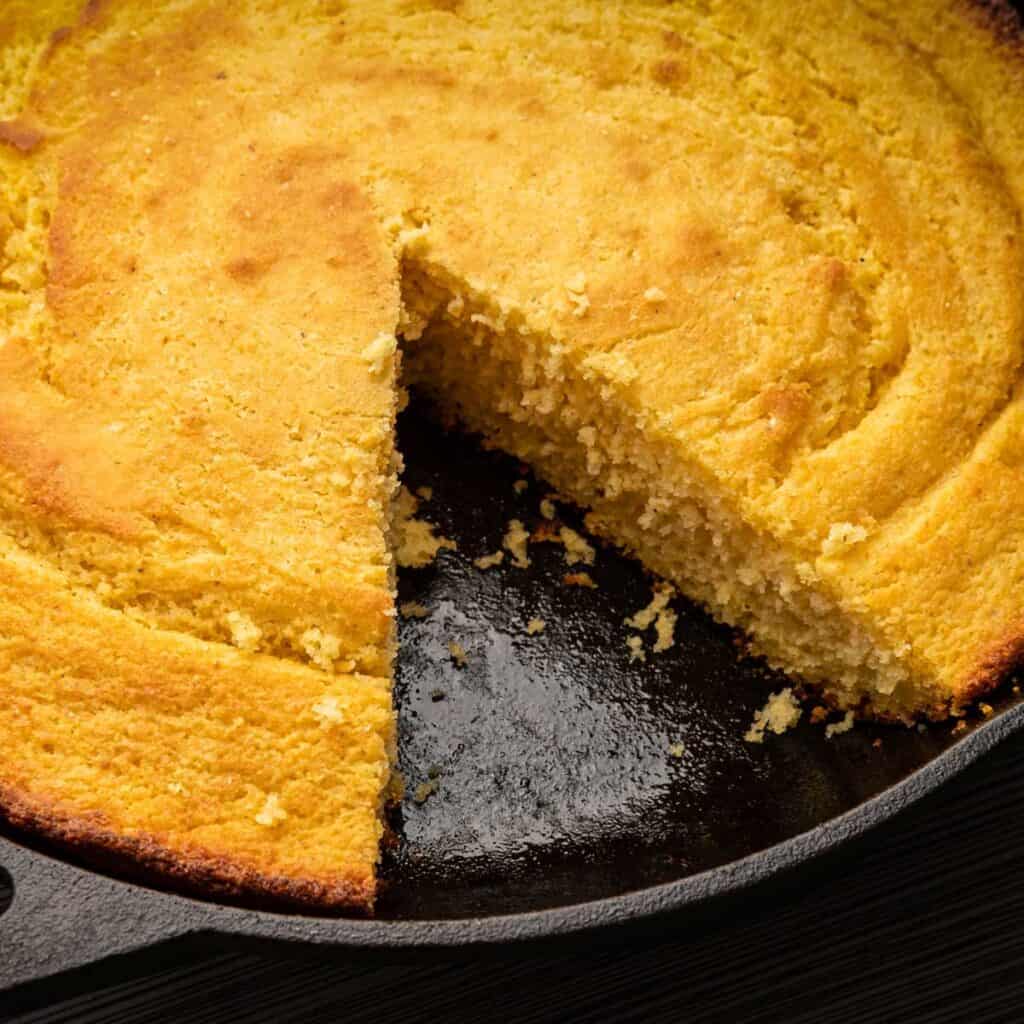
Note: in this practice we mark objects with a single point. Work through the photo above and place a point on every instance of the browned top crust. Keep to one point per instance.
(999, 17)
(22, 136)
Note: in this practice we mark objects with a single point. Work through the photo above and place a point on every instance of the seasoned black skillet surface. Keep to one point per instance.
(560, 771)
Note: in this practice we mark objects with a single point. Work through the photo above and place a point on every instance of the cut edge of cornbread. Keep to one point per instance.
(644, 496)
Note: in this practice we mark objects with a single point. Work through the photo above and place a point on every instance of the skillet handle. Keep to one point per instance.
(62, 918)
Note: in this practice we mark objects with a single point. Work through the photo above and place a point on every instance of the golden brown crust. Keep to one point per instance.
(996, 662)
(20, 135)
(145, 859)
(999, 17)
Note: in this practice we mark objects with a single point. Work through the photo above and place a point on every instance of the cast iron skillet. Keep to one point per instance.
(570, 789)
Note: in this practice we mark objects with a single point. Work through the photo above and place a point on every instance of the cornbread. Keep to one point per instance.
(781, 712)
(743, 279)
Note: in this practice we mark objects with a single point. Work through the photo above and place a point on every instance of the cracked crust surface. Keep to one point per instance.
(797, 265)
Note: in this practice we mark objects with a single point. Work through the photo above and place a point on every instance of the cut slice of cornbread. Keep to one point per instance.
(224, 771)
(197, 394)
(745, 279)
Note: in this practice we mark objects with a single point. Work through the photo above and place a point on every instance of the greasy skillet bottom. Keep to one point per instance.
(551, 755)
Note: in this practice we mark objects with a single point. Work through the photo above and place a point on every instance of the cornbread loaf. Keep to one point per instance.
(743, 279)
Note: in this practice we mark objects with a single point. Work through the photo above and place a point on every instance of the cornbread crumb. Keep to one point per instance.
(413, 610)
(961, 726)
(323, 649)
(272, 812)
(380, 353)
(416, 544)
(986, 709)
(245, 634)
(576, 288)
(842, 536)
(677, 750)
(515, 543)
(613, 366)
(489, 561)
(636, 649)
(658, 614)
(547, 508)
(520, 485)
(545, 532)
(643, 619)
(665, 628)
(535, 626)
(328, 710)
(458, 653)
(781, 712)
(425, 493)
(576, 548)
(424, 791)
(844, 725)
(579, 579)
(819, 714)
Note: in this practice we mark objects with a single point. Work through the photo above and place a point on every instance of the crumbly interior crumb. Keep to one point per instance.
(515, 542)
(489, 561)
(659, 601)
(535, 626)
(781, 712)
(577, 549)
(659, 615)
(636, 648)
(845, 724)
(416, 541)
(458, 654)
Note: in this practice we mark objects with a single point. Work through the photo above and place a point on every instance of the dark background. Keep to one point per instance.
(923, 920)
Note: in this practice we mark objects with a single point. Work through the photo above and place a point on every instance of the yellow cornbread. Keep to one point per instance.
(744, 279)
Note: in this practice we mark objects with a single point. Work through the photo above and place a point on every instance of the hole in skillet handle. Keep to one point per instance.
(6, 891)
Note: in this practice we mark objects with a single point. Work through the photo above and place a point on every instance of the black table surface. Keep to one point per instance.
(922, 920)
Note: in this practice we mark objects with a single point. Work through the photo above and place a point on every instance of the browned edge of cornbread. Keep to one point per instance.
(1006, 655)
(143, 858)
